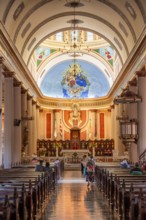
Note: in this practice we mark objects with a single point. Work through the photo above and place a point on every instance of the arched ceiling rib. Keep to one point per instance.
(60, 30)
(29, 23)
(99, 23)
(121, 21)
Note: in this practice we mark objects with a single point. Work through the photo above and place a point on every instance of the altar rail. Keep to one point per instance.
(50, 148)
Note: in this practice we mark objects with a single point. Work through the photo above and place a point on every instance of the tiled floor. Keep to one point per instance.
(73, 201)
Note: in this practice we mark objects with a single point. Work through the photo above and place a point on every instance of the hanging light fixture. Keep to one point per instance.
(128, 129)
(127, 96)
(75, 45)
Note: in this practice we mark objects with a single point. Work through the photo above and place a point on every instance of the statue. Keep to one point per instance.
(75, 119)
(75, 109)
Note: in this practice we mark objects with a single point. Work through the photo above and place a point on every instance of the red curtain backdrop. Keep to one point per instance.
(101, 125)
(48, 125)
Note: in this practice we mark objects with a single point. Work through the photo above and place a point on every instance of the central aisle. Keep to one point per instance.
(73, 201)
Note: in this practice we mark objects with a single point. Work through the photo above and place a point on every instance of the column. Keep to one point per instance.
(37, 121)
(24, 122)
(132, 113)
(8, 119)
(34, 128)
(118, 143)
(16, 154)
(30, 141)
(112, 120)
(54, 125)
(96, 124)
(142, 112)
(1, 79)
(37, 124)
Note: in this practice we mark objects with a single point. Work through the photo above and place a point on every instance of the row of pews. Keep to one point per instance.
(125, 193)
(25, 193)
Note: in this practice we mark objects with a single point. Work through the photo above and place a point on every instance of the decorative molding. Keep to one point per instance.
(18, 10)
(25, 30)
(123, 29)
(122, 15)
(118, 43)
(11, 2)
(130, 9)
(28, 14)
(141, 7)
(80, 13)
(31, 43)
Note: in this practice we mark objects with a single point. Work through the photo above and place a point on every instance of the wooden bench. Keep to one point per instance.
(32, 189)
(117, 186)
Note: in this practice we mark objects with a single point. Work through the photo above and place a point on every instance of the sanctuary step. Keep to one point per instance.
(72, 166)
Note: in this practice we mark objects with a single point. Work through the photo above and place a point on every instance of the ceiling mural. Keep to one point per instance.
(75, 79)
(42, 52)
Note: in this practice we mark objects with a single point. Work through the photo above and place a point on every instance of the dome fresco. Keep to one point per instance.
(61, 81)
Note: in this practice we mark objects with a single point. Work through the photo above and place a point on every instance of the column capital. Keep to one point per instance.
(2, 62)
(29, 96)
(133, 82)
(17, 83)
(23, 90)
(141, 73)
(7, 74)
(112, 106)
(34, 102)
(38, 106)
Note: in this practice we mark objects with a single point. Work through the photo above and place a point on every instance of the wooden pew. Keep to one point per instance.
(33, 197)
(120, 193)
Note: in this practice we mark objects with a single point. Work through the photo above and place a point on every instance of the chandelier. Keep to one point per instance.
(75, 44)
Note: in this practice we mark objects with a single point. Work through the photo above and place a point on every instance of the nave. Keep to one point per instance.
(72, 200)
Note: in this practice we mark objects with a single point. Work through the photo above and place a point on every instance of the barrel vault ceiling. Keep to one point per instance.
(116, 24)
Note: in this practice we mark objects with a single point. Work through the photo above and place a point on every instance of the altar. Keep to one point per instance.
(74, 156)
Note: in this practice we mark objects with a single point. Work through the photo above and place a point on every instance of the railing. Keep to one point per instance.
(142, 157)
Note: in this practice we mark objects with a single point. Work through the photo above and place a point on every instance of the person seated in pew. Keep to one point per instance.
(136, 170)
(125, 164)
(39, 167)
(48, 168)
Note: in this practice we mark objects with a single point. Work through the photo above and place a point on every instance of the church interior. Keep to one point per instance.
(72, 84)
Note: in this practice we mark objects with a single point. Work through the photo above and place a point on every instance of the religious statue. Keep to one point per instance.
(75, 119)
(75, 109)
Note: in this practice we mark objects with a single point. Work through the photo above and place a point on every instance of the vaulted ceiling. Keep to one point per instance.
(121, 24)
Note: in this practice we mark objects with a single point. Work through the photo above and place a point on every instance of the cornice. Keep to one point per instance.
(67, 104)
(12, 59)
(135, 62)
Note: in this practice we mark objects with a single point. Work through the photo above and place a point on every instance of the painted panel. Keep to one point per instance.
(101, 125)
(74, 80)
(48, 125)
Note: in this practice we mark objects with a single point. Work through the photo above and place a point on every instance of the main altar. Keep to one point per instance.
(74, 156)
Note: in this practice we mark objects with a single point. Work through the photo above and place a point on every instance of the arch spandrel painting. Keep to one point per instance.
(87, 81)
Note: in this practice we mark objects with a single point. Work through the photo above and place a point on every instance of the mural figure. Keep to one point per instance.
(75, 83)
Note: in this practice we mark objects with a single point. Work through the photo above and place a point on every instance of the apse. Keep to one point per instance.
(80, 79)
